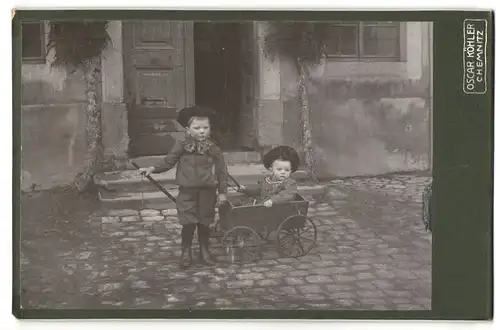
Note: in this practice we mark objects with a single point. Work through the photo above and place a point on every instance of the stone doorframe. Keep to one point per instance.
(268, 115)
(114, 112)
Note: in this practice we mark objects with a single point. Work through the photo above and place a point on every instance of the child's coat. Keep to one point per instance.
(277, 191)
(201, 171)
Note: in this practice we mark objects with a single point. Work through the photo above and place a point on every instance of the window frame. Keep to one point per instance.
(360, 56)
(36, 59)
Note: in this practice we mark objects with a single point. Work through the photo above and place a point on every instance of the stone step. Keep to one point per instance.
(158, 201)
(231, 158)
(131, 178)
(132, 181)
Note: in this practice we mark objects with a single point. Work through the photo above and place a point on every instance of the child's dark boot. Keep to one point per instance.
(186, 258)
(203, 238)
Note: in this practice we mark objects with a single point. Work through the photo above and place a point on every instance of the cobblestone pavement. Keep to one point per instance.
(372, 254)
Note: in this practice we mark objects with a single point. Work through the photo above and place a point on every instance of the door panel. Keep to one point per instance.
(155, 82)
(149, 34)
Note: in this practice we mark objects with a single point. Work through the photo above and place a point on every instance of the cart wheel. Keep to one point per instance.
(296, 236)
(242, 245)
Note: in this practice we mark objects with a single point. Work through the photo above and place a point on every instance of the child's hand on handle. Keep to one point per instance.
(145, 171)
(268, 203)
(222, 198)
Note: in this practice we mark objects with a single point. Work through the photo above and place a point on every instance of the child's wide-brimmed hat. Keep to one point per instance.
(186, 114)
(283, 153)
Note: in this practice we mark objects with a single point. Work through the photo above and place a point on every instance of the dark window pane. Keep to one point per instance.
(342, 41)
(32, 40)
(380, 41)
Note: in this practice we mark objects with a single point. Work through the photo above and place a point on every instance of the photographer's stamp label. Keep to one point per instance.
(474, 56)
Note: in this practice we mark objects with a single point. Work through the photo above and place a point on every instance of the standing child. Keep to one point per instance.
(278, 187)
(201, 170)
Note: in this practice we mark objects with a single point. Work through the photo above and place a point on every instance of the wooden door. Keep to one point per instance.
(158, 73)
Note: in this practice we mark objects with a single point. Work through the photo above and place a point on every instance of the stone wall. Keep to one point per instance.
(357, 131)
(53, 117)
(367, 117)
(53, 144)
(53, 141)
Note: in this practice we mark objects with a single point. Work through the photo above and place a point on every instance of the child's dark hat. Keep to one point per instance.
(186, 114)
(283, 153)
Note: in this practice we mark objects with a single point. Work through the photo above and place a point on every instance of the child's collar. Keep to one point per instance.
(193, 145)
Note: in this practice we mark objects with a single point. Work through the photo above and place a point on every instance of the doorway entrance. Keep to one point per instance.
(224, 79)
(169, 65)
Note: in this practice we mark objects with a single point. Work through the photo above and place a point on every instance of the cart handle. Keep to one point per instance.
(234, 180)
(159, 186)
(239, 187)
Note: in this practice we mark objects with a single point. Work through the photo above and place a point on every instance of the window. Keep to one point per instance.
(33, 42)
(361, 41)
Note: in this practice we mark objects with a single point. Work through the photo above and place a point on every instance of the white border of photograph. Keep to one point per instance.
(9, 322)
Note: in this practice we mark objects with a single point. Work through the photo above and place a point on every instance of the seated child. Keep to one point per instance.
(278, 187)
